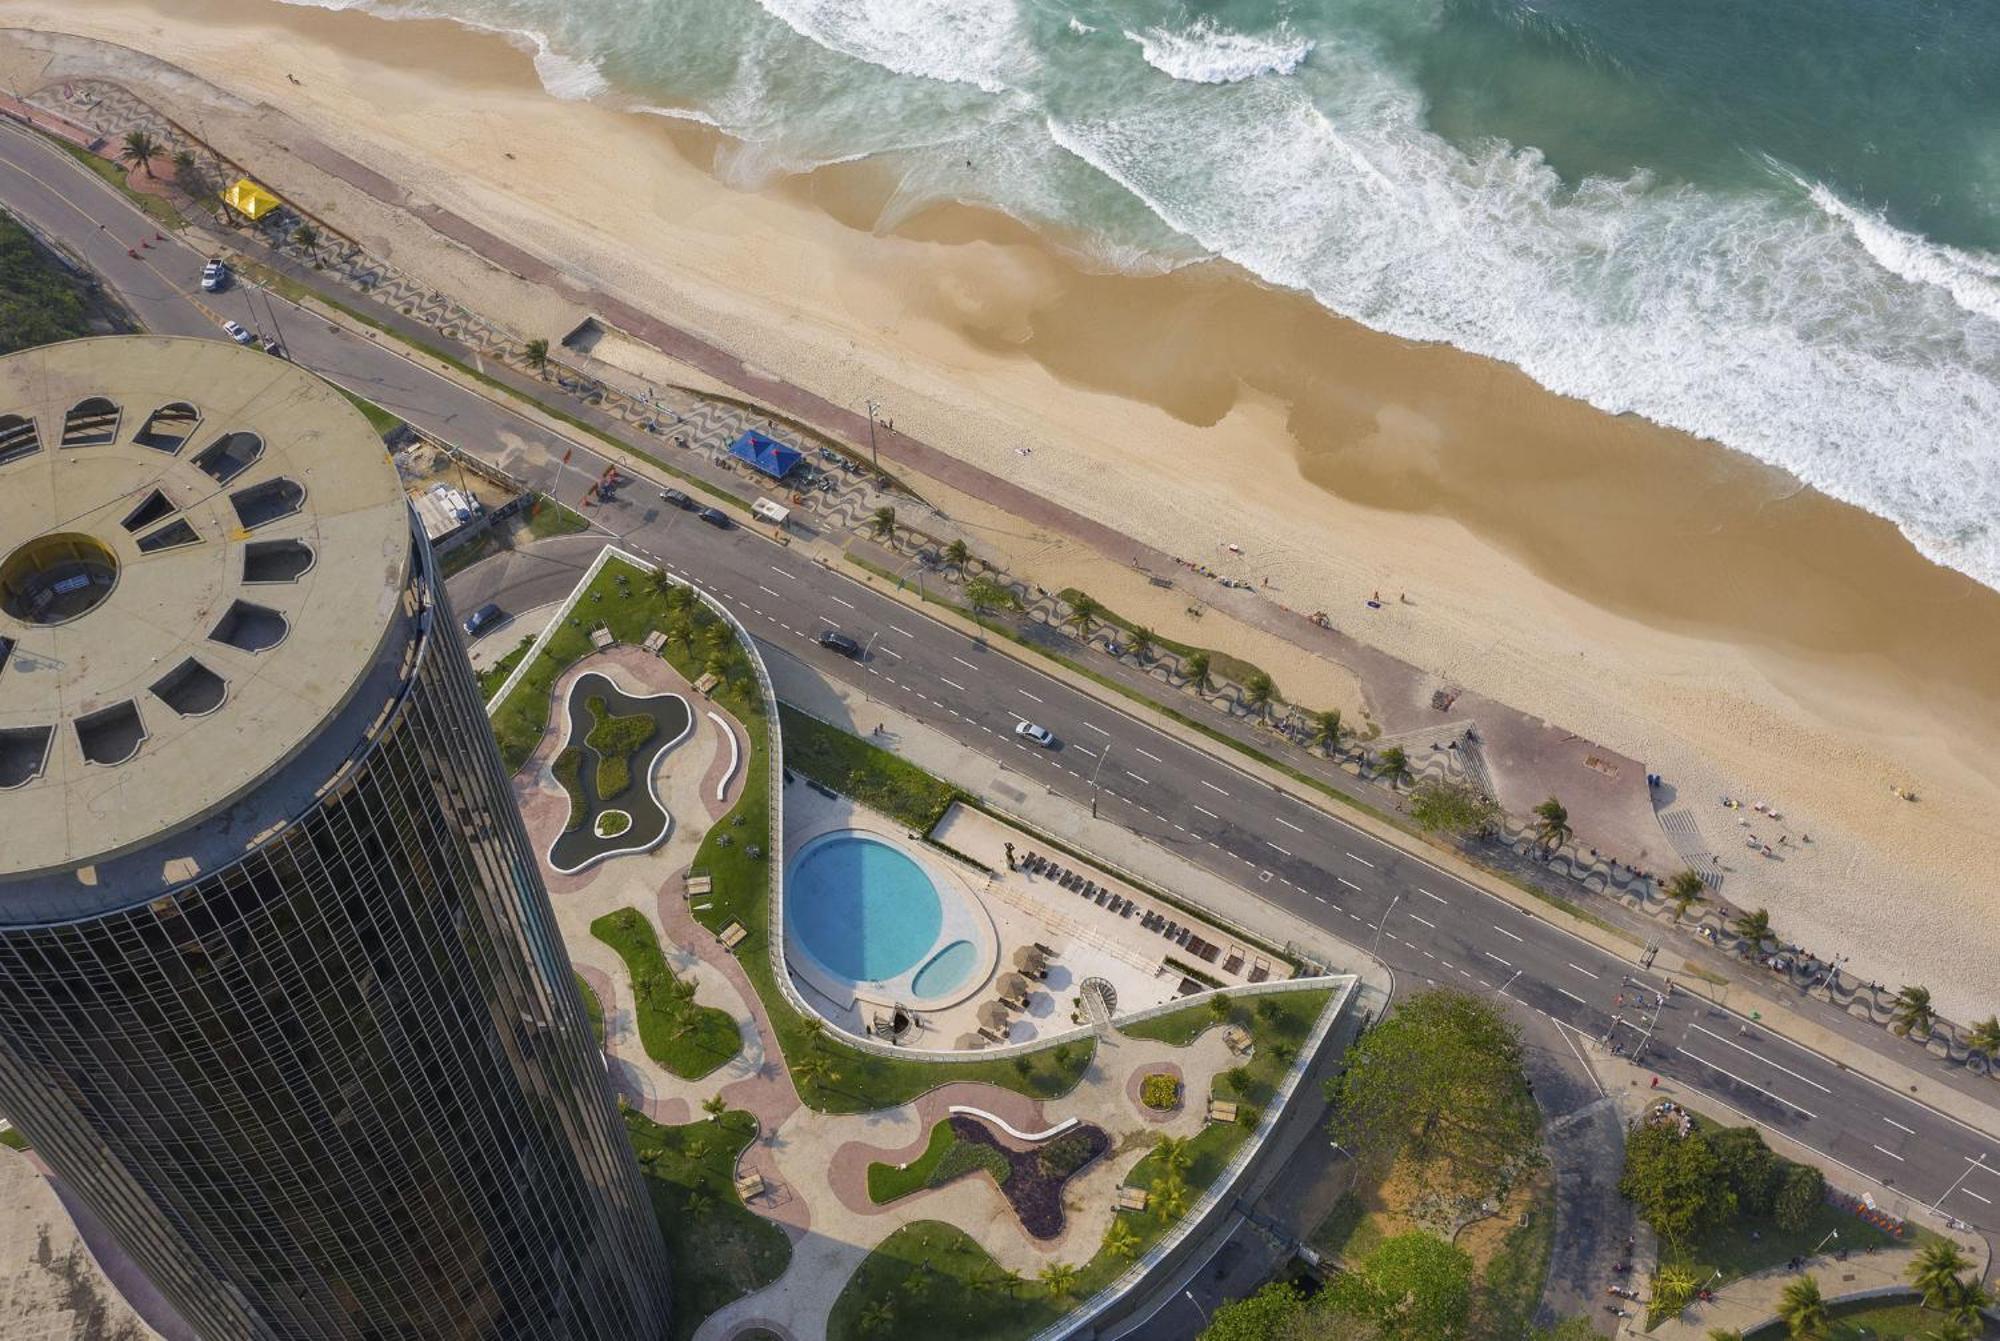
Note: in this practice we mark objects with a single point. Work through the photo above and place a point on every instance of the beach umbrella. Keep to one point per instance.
(994, 1016)
(1029, 960)
(1013, 985)
(967, 1042)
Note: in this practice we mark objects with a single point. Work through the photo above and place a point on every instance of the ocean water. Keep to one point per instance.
(1773, 224)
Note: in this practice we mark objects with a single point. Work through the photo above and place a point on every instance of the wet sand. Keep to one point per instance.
(1676, 601)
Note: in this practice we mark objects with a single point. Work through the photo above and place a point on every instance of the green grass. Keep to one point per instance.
(547, 517)
(721, 1251)
(932, 1279)
(1510, 1288)
(159, 211)
(1220, 664)
(1346, 1234)
(567, 768)
(482, 546)
(886, 1182)
(40, 301)
(13, 1140)
(378, 418)
(496, 675)
(872, 776)
(687, 1039)
(1729, 1248)
(1181, 1027)
(612, 823)
(1872, 1320)
(618, 735)
(591, 1007)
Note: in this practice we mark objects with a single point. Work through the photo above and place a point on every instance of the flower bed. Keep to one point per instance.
(1160, 1092)
(1034, 1184)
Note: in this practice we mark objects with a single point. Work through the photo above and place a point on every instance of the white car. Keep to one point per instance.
(1034, 735)
(214, 275)
(237, 333)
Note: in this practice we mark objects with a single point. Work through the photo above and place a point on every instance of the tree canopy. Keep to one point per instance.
(1439, 1083)
(39, 302)
(1676, 1182)
(1414, 1287)
(1441, 806)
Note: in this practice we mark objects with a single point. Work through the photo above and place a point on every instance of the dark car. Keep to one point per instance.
(833, 640)
(715, 517)
(678, 499)
(485, 617)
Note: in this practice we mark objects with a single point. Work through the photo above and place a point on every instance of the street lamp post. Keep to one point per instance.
(872, 456)
(1970, 1165)
(1377, 951)
(1093, 780)
(1189, 1296)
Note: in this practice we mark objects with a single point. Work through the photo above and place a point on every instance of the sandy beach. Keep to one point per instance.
(1737, 632)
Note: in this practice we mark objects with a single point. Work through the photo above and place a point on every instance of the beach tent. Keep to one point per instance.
(769, 455)
(250, 200)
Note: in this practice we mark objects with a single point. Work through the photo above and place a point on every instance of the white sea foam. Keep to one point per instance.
(1972, 281)
(977, 42)
(1079, 27)
(1742, 318)
(1207, 54)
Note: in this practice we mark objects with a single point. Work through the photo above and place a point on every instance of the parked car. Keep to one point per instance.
(238, 334)
(715, 517)
(214, 276)
(485, 617)
(678, 499)
(1034, 735)
(833, 640)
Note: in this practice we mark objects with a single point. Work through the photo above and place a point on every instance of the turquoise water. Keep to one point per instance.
(947, 971)
(1772, 223)
(861, 908)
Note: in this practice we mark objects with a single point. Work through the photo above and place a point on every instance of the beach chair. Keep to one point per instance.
(1220, 1110)
(1171, 927)
(732, 936)
(1260, 970)
(1196, 945)
(1101, 897)
(1233, 964)
(1131, 1199)
(1210, 953)
(1182, 939)
(1130, 908)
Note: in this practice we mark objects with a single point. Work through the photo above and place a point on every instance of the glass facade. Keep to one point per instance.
(344, 1087)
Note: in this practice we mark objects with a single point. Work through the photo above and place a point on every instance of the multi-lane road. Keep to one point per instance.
(1423, 922)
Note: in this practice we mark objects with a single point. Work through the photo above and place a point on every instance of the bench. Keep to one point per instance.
(1221, 1110)
(750, 1184)
(1132, 1199)
(732, 936)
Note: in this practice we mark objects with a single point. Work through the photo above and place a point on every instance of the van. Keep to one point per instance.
(766, 511)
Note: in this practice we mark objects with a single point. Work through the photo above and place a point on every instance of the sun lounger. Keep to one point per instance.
(1047, 953)
(1132, 1199)
(1220, 1110)
(1211, 953)
(1171, 927)
(1102, 898)
(1130, 908)
(654, 641)
(1196, 945)
(1234, 964)
(1260, 970)
(1182, 939)
(732, 936)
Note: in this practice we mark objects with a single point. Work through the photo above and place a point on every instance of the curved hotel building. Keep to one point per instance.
(281, 995)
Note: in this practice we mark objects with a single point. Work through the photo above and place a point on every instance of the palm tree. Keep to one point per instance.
(1803, 1310)
(306, 236)
(1142, 642)
(812, 1069)
(1120, 1241)
(877, 1316)
(1174, 1151)
(1326, 729)
(1082, 609)
(1170, 1195)
(536, 352)
(882, 521)
(1754, 928)
(1684, 891)
(957, 553)
(1968, 1299)
(1934, 1271)
(1984, 1037)
(140, 149)
(983, 593)
(1914, 1014)
(1394, 765)
(715, 1105)
(698, 1147)
(1952, 1329)
(183, 166)
(1060, 1277)
(1551, 824)
(699, 1202)
(1196, 670)
(1258, 691)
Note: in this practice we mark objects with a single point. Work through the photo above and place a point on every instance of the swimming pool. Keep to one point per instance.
(946, 971)
(862, 908)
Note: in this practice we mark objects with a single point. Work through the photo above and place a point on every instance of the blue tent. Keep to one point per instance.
(769, 455)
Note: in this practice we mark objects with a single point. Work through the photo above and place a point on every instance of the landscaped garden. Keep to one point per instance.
(872, 776)
(592, 1007)
(625, 738)
(1160, 1092)
(929, 1275)
(687, 1039)
(721, 1250)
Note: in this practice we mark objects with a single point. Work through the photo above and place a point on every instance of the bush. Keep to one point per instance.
(1160, 1092)
(966, 1156)
(618, 735)
(1799, 1196)
(1750, 1168)
(613, 823)
(1066, 1154)
(614, 775)
(568, 770)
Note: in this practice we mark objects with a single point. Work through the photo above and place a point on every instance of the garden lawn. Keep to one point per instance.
(720, 1250)
(929, 1279)
(1871, 1320)
(496, 675)
(687, 1039)
(546, 518)
(378, 418)
(872, 776)
(591, 1007)
(567, 769)
(886, 1182)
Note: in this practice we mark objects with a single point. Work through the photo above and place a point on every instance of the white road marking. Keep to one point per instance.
(1988, 1167)
(967, 664)
(1146, 782)
(1276, 848)
(1150, 755)
(1427, 894)
(1364, 861)
(1445, 962)
(1212, 787)
(1496, 959)
(782, 573)
(1504, 932)
(905, 632)
(959, 687)
(1892, 1155)
(1288, 824)
(1741, 1081)
(1899, 1126)
(1426, 921)
(766, 590)
(1085, 750)
(1572, 996)
(1584, 971)
(891, 651)
(1098, 729)
(1760, 1057)
(1974, 1195)
(1022, 692)
(1349, 883)
(837, 601)
(1210, 813)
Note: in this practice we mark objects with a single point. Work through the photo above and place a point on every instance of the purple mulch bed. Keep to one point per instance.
(1034, 1188)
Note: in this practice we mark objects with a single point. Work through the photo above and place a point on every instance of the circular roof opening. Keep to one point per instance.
(56, 578)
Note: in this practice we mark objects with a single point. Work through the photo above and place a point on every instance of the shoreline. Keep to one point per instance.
(1675, 600)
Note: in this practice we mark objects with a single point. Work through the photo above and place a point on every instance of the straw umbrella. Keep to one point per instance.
(993, 1016)
(967, 1042)
(1030, 960)
(1013, 987)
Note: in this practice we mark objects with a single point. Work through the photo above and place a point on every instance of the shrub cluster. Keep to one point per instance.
(966, 1156)
(1160, 1092)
